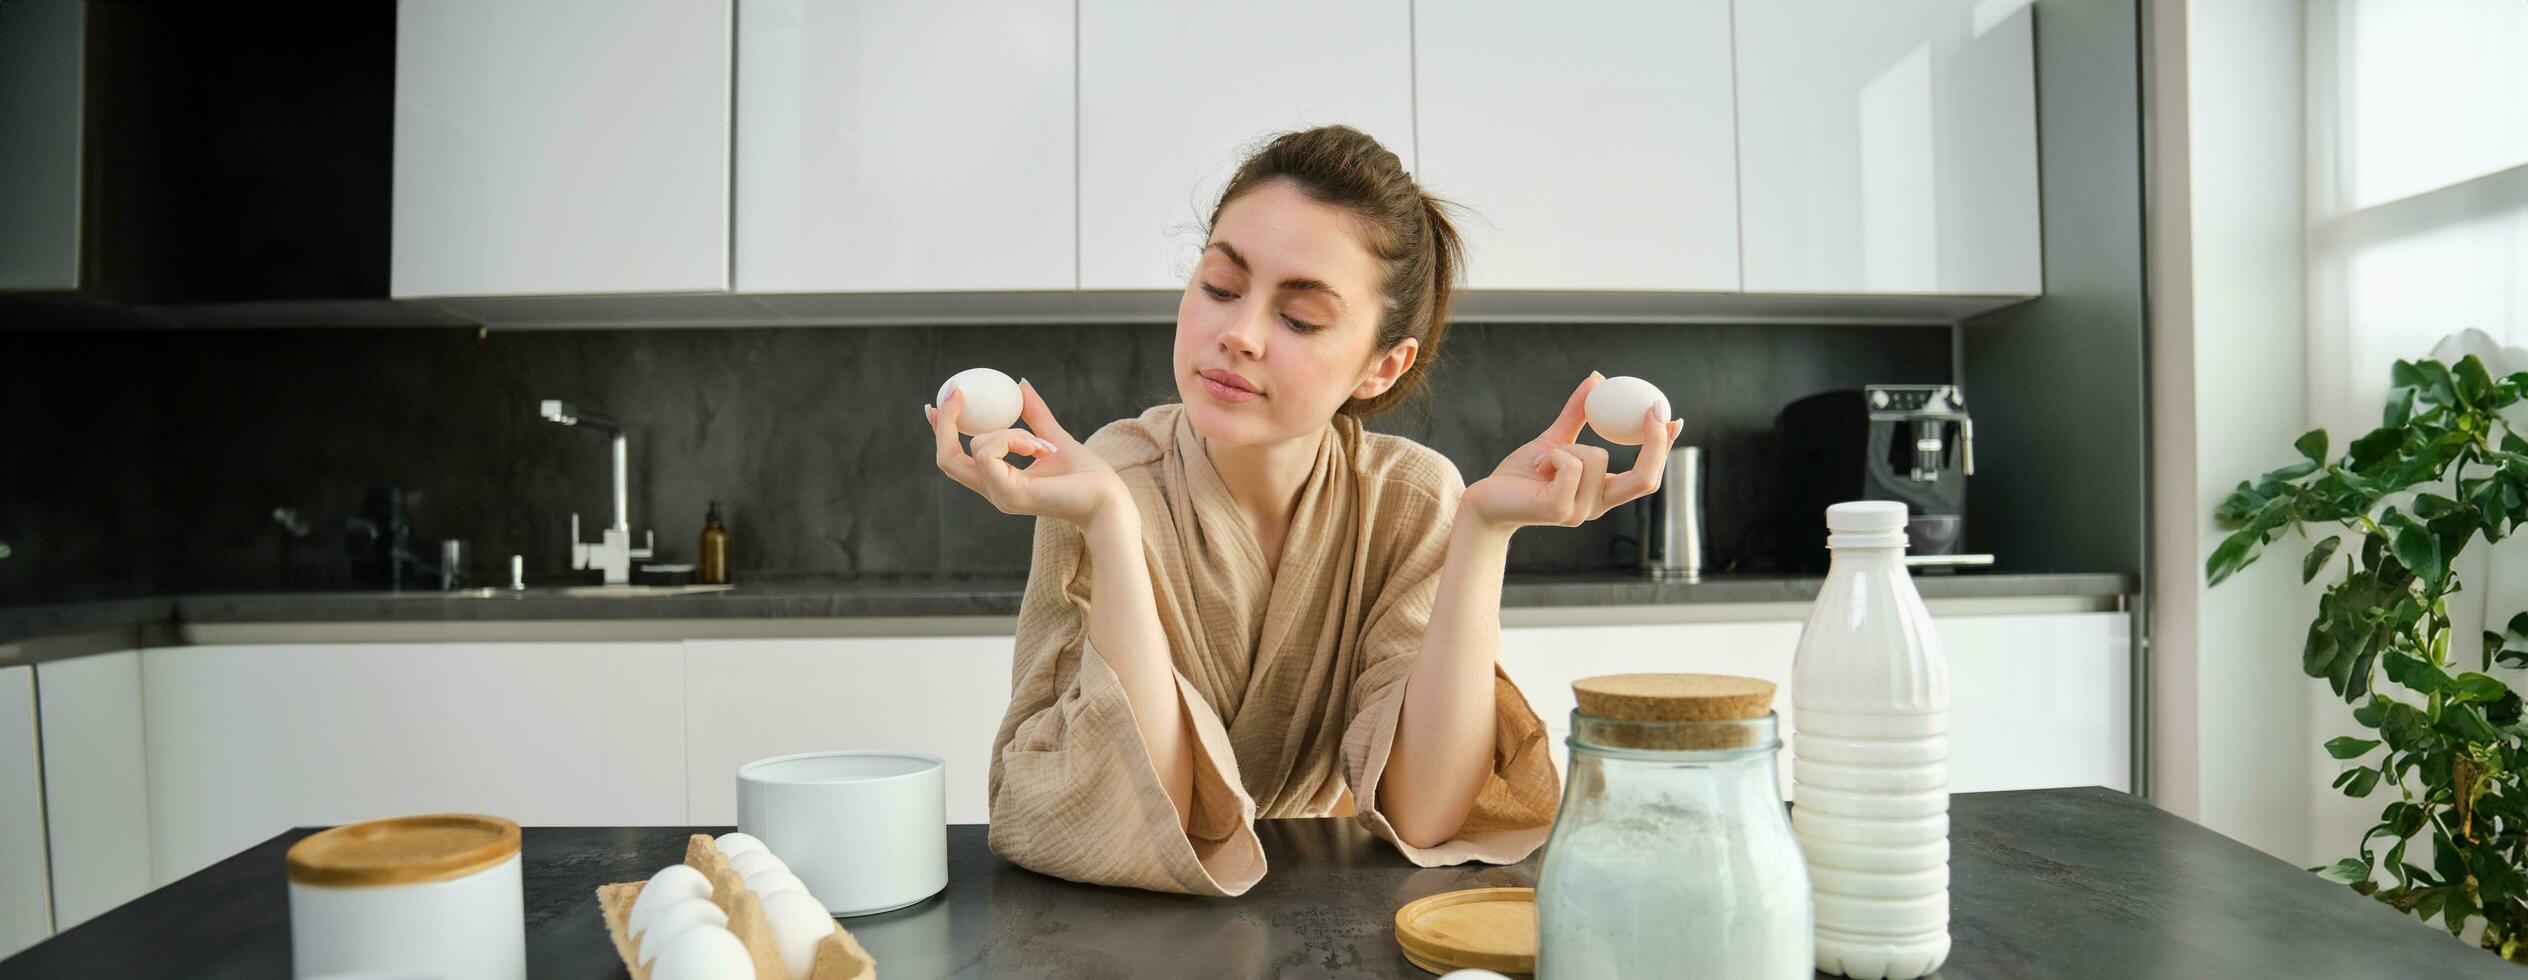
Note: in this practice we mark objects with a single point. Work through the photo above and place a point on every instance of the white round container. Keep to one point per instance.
(434, 896)
(867, 831)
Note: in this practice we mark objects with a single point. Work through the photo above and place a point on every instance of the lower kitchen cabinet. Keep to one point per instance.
(751, 699)
(2035, 701)
(165, 760)
(25, 909)
(96, 783)
(245, 741)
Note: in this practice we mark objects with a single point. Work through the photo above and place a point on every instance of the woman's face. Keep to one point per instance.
(1276, 329)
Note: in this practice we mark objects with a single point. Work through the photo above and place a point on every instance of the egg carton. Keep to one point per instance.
(838, 956)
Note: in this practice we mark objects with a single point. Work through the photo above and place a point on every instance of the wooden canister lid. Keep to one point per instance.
(403, 850)
(1478, 928)
(1674, 697)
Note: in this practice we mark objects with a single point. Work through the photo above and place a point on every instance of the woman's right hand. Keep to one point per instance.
(1066, 480)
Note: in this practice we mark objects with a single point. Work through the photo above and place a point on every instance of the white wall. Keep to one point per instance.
(2232, 722)
(2337, 184)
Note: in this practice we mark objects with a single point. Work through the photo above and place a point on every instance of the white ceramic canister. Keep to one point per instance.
(865, 831)
(426, 896)
(1870, 756)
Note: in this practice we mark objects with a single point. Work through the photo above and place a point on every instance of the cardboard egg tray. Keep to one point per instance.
(838, 956)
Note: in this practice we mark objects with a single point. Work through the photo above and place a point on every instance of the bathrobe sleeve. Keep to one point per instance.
(1074, 793)
(1515, 808)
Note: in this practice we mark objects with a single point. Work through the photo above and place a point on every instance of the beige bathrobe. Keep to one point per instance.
(1293, 680)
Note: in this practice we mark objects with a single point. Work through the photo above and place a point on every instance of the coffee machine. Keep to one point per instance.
(1908, 443)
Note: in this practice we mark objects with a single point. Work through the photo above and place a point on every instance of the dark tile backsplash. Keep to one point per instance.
(139, 462)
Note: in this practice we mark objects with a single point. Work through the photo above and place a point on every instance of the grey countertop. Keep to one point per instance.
(2068, 883)
(912, 596)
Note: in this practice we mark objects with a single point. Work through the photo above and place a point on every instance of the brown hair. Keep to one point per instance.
(1405, 227)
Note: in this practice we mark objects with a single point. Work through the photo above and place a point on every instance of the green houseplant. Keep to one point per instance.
(2440, 470)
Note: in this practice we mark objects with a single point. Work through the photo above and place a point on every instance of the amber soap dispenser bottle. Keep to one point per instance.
(713, 566)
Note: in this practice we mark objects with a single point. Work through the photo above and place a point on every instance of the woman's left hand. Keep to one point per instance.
(1556, 480)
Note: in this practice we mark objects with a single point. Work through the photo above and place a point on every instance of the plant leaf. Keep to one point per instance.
(2378, 444)
(2346, 746)
(2406, 374)
(2420, 677)
(2291, 471)
(2438, 388)
(2465, 722)
(2400, 408)
(2363, 781)
(2312, 444)
(2345, 872)
(2317, 657)
(2473, 383)
(2419, 551)
(2405, 729)
(2505, 710)
(2318, 555)
(2472, 686)
(2236, 552)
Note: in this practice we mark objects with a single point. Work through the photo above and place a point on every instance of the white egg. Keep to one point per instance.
(704, 953)
(1616, 406)
(675, 919)
(734, 843)
(799, 921)
(992, 400)
(749, 863)
(774, 881)
(672, 884)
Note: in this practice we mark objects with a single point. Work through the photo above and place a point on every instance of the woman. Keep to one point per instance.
(1244, 605)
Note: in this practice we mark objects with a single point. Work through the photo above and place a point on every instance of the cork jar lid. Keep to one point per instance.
(403, 850)
(1686, 712)
(1674, 697)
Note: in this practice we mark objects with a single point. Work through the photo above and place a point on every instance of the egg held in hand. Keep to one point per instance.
(992, 400)
(1616, 407)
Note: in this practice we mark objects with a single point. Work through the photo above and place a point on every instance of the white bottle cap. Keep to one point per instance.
(1866, 524)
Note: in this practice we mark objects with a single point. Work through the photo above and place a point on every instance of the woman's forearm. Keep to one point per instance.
(1443, 748)
(1123, 624)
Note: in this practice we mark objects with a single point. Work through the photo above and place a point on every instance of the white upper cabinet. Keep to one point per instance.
(561, 146)
(1888, 146)
(41, 47)
(1817, 148)
(905, 147)
(1589, 144)
(1173, 94)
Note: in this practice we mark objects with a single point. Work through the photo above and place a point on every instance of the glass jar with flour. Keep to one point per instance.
(1672, 854)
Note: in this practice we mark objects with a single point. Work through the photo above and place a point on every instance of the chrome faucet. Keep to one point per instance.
(613, 551)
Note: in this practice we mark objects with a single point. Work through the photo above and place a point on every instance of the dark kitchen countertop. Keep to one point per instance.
(2044, 883)
(912, 596)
